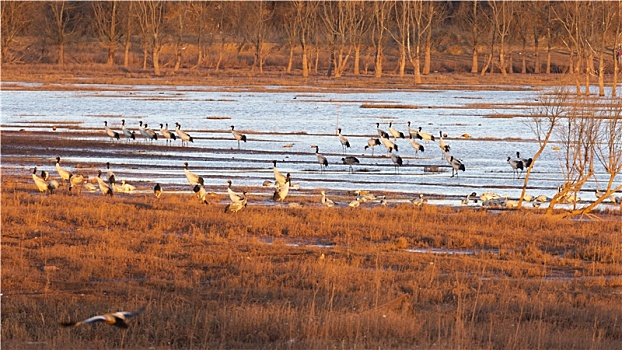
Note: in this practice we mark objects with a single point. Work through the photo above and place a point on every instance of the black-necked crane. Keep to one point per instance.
(343, 140)
(381, 132)
(442, 144)
(350, 160)
(64, 174)
(394, 132)
(389, 145)
(41, 184)
(112, 180)
(279, 178)
(152, 134)
(238, 136)
(326, 202)
(526, 161)
(112, 134)
(456, 165)
(233, 196)
(282, 191)
(126, 132)
(193, 178)
(320, 158)
(397, 161)
(103, 187)
(168, 135)
(516, 165)
(416, 145)
(52, 184)
(157, 190)
(424, 136)
(184, 136)
(234, 207)
(117, 319)
(372, 143)
(143, 131)
(201, 193)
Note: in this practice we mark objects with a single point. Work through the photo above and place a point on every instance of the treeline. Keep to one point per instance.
(317, 37)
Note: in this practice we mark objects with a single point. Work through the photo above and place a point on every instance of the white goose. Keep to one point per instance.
(327, 202)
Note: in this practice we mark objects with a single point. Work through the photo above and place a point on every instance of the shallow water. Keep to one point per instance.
(273, 118)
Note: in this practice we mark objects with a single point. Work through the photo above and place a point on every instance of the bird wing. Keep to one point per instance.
(127, 314)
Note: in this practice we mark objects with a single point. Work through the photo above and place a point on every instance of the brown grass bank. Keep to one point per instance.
(257, 280)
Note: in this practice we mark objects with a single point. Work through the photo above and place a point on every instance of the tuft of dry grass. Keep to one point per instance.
(258, 278)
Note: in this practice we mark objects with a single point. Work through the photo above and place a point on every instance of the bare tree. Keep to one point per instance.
(340, 21)
(180, 16)
(60, 27)
(151, 19)
(469, 18)
(305, 19)
(543, 121)
(127, 12)
(106, 22)
(381, 10)
(15, 19)
(361, 25)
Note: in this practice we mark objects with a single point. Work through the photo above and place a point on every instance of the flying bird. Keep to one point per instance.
(116, 319)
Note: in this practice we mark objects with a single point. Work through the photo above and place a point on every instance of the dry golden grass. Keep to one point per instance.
(211, 279)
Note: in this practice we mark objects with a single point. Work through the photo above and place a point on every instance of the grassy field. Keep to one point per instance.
(270, 277)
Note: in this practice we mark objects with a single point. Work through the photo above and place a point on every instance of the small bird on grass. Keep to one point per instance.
(116, 319)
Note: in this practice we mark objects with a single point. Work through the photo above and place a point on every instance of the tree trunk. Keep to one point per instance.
(305, 63)
(61, 54)
(427, 54)
(417, 68)
(110, 61)
(290, 60)
(601, 74)
(474, 61)
(378, 62)
(145, 53)
(357, 59)
(523, 68)
(402, 61)
(156, 61)
(536, 56)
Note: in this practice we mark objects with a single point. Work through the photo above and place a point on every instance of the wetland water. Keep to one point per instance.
(282, 125)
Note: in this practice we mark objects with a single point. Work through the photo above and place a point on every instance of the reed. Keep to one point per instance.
(258, 279)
